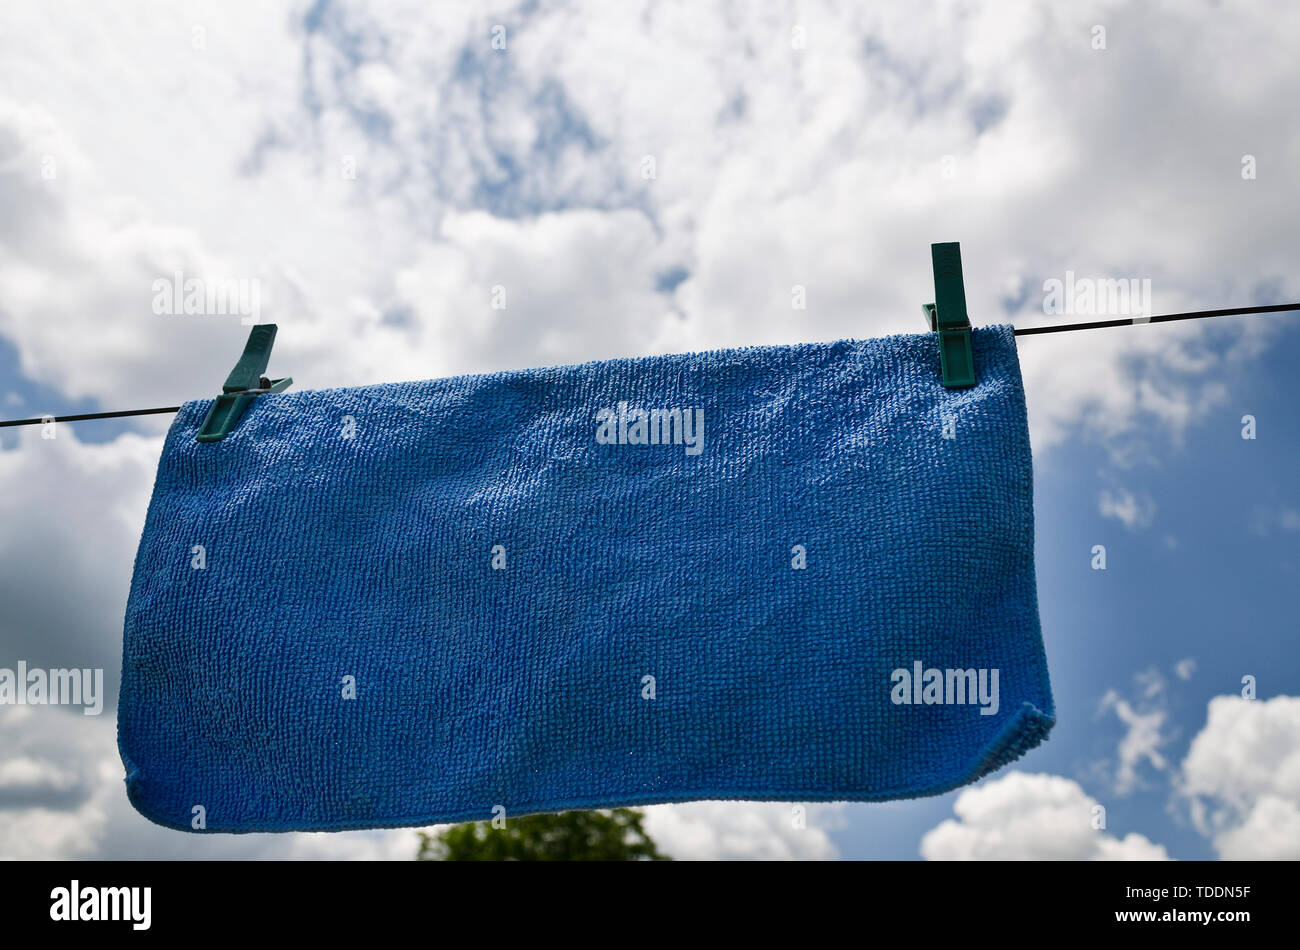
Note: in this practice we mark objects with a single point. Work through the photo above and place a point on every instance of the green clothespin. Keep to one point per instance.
(244, 384)
(947, 315)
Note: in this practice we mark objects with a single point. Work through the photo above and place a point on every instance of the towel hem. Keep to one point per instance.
(1024, 731)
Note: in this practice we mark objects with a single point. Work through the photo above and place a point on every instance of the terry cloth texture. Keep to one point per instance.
(406, 604)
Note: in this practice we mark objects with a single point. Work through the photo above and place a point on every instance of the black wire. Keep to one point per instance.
(1165, 318)
(90, 415)
(1023, 331)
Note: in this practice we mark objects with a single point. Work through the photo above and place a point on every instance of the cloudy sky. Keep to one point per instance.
(658, 177)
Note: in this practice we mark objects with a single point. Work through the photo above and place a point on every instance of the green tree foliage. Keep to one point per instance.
(615, 835)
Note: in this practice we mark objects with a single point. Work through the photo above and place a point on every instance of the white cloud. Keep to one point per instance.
(584, 265)
(62, 796)
(1151, 685)
(24, 774)
(775, 167)
(1241, 777)
(742, 831)
(1265, 519)
(73, 513)
(1141, 742)
(1127, 508)
(1144, 717)
(1185, 668)
(1026, 817)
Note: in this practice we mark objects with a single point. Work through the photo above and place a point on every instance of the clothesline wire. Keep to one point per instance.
(1019, 331)
(1163, 318)
(81, 417)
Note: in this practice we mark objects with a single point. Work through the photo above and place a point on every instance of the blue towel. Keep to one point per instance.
(796, 573)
